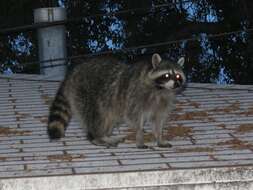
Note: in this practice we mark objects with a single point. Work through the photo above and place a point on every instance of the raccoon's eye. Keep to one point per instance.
(179, 77)
(166, 76)
(163, 78)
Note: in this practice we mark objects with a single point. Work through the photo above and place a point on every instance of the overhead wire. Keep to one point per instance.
(134, 48)
(229, 87)
(81, 19)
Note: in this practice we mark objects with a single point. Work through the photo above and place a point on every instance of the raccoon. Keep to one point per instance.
(103, 91)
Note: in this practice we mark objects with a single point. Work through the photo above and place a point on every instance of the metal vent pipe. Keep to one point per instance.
(51, 40)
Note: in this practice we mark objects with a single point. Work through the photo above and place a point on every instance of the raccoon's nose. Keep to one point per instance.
(177, 84)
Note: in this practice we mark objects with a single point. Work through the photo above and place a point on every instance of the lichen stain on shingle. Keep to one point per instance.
(223, 126)
(64, 157)
(193, 104)
(227, 109)
(195, 149)
(131, 136)
(249, 112)
(236, 144)
(244, 128)
(204, 115)
(47, 100)
(6, 131)
(2, 159)
(42, 119)
(22, 115)
(178, 131)
(178, 109)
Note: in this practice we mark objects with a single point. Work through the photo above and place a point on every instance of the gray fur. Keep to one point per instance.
(103, 91)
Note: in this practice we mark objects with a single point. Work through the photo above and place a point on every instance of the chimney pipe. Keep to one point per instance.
(51, 41)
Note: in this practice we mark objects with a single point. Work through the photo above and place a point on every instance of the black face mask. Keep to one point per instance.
(166, 77)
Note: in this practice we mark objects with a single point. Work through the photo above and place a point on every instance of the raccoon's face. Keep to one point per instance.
(167, 75)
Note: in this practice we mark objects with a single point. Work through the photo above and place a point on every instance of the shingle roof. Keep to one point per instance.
(211, 128)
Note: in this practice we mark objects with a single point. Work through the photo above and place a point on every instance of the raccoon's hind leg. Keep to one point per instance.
(59, 116)
(100, 133)
(108, 141)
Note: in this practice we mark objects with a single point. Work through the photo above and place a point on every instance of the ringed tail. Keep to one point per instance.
(59, 116)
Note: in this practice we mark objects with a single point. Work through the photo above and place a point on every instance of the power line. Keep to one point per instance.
(232, 88)
(220, 88)
(131, 49)
(81, 19)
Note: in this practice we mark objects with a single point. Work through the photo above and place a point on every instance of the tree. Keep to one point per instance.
(225, 58)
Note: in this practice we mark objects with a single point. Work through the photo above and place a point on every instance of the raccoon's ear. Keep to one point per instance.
(181, 61)
(156, 59)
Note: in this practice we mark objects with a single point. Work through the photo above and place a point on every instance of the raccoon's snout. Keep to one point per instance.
(177, 84)
(178, 81)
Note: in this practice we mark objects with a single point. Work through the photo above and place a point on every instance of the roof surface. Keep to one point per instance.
(212, 127)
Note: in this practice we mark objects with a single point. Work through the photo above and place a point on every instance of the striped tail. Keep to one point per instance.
(59, 116)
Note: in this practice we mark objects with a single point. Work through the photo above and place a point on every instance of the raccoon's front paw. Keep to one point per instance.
(164, 144)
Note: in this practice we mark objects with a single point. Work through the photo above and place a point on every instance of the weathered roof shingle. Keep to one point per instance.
(211, 128)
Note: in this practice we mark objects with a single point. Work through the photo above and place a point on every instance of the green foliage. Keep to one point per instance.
(205, 57)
